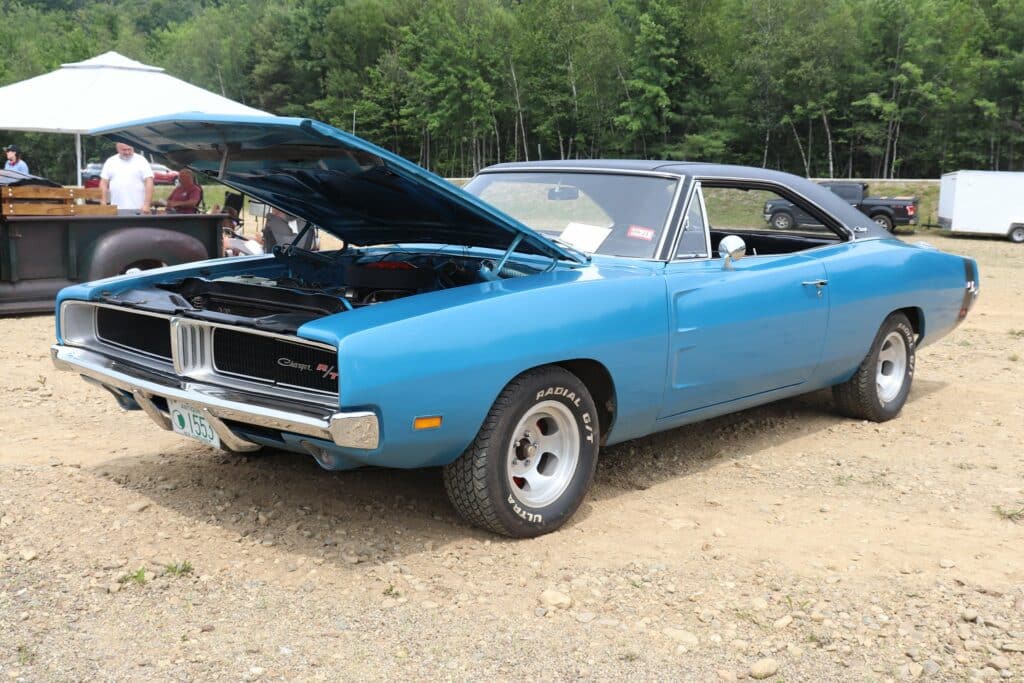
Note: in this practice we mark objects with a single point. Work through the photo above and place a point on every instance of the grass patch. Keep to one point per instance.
(1013, 513)
(138, 576)
(179, 568)
(843, 479)
(746, 615)
(26, 655)
(391, 591)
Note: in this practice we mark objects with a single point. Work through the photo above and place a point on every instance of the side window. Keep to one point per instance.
(693, 241)
(767, 222)
(848, 192)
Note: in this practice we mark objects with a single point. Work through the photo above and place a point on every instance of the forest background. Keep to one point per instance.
(844, 88)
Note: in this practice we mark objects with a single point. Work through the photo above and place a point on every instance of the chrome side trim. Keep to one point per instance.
(359, 429)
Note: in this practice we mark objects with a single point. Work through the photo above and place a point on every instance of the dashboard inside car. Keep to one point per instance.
(769, 242)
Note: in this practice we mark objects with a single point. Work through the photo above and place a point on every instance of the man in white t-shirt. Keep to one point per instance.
(127, 181)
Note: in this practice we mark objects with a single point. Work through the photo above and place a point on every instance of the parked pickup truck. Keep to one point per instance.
(48, 241)
(886, 211)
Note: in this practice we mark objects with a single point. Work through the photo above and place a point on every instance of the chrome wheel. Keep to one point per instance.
(884, 221)
(782, 221)
(892, 367)
(543, 454)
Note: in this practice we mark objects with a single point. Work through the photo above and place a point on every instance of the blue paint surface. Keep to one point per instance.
(682, 341)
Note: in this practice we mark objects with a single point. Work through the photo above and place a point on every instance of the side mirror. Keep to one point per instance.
(732, 248)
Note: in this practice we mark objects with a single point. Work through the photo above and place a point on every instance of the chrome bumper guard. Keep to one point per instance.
(350, 430)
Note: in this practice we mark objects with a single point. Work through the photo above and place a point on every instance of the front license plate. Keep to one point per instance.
(188, 421)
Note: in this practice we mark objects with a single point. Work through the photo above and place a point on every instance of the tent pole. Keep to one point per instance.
(78, 157)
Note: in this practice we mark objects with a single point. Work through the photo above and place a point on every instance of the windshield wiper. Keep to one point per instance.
(565, 245)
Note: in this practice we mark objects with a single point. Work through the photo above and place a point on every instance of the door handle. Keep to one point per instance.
(818, 284)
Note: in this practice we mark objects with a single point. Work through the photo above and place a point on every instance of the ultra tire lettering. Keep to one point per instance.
(528, 516)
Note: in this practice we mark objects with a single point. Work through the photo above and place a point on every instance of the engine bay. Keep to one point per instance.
(302, 285)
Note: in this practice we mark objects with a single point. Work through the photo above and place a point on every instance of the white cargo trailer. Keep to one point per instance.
(983, 202)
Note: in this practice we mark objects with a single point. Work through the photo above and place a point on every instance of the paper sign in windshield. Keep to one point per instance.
(585, 237)
(640, 233)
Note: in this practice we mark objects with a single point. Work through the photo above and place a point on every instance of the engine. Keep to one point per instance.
(305, 285)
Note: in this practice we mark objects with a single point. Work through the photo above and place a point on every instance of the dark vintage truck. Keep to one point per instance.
(49, 240)
(886, 211)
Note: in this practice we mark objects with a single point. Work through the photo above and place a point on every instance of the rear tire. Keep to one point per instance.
(1016, 234)
(883, 220)
(879, 388)
(533, 459)
(781, 220)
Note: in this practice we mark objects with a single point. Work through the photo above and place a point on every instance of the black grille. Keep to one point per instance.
(143, 333)
(274, 360)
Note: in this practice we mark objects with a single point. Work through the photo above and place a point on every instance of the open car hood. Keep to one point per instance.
(353, 189)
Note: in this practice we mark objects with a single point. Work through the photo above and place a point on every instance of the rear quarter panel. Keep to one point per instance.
(870, 279)
(450, 353)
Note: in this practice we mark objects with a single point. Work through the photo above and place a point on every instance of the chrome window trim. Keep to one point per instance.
(851, 234)
(804, 251)
(584, 169)
(668, 219)
(694, 193)
(666, 227)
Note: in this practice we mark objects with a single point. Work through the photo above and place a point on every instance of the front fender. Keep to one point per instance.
(450, 353)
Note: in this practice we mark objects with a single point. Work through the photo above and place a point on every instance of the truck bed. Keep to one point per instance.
(39, 255)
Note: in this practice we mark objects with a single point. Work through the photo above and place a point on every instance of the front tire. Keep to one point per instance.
(533, 460)
(1016, 234)
(879, 388)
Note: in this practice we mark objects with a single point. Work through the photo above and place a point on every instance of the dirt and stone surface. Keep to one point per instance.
(781, 543)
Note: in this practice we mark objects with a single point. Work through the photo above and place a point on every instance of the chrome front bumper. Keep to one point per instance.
(349, 430)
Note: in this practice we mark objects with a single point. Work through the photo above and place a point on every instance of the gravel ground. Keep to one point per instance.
(781, 543)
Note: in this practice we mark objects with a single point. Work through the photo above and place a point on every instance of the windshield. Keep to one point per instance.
(599, 213)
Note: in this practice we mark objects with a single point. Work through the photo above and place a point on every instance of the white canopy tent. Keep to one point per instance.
(103, 91)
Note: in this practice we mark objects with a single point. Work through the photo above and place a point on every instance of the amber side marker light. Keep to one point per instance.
(432, 422)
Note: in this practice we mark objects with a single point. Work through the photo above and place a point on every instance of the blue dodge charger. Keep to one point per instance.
(508, 330)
